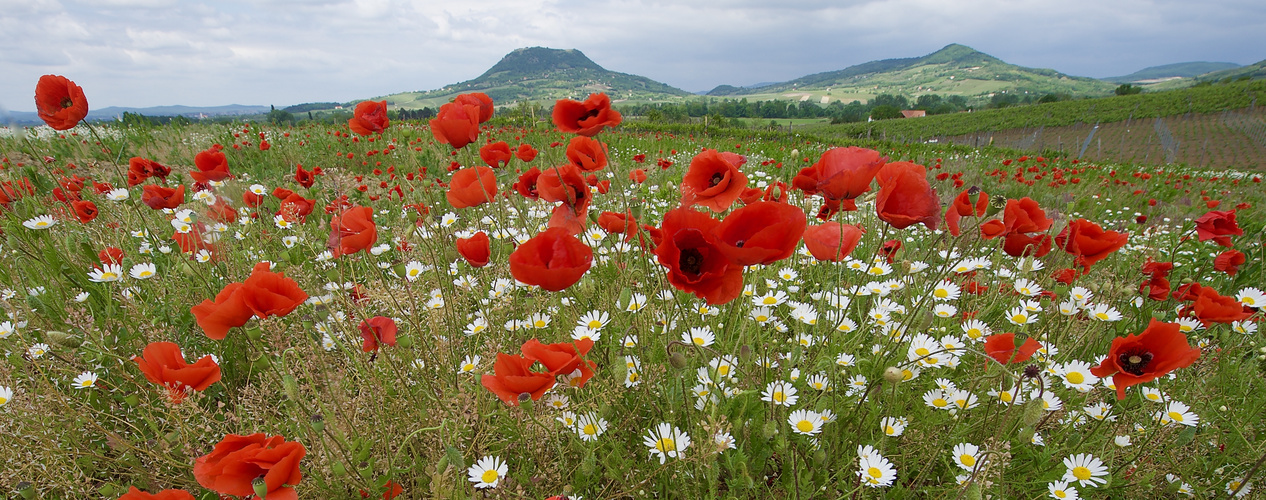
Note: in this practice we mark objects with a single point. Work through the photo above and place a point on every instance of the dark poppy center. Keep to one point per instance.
(739, 243)
(66, 102)
(716, 179)
(691, 261)
(1134, 362)
(589, 114)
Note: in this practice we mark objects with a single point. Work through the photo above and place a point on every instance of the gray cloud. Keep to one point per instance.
(208, 52)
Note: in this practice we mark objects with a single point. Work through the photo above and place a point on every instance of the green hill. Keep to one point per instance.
(1198, 99)
(953, 70)
(1253, 71)
(543, 75)
(1170, 71)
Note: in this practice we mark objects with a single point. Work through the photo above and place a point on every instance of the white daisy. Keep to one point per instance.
(487, 472)
(40, 222)
(143, 271)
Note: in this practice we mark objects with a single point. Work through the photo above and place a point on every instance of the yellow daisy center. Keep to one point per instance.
(1175, 416)
(875, 472)
(488, 476)
(889, 430)
(967, 460)
(665, 445)
(86, 383)
(1081, 473)
(779, 397)
(804, 426)
(590, 429)
(1101, 316)
(1075, 378)
(1019, 318)
(940, 403)
(698, 340)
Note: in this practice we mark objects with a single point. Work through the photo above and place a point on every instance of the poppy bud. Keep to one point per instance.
(745, 352)
(132, 400)
(25, 489)
(254, 333)
(261, 487)
(677, 360)
(996, 204)
(819, 457)
(893, 374)
(1033, 412)
(770, 430)
(525, 401)
(291, 386)
(339, 469)
(318, 423)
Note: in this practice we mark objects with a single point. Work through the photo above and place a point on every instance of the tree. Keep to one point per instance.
(1127, 89)
(885, 111)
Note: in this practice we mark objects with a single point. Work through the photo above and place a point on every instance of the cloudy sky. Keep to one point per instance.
(214, 52)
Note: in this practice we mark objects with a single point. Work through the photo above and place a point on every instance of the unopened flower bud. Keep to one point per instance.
(1032, 371)
(893, 374)
(677, 360)
(261, 487)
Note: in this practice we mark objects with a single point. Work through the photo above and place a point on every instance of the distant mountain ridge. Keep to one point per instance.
(114, 112)
(953, 70)
(1176, 70)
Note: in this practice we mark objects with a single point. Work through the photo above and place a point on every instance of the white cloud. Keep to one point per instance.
(208, 52)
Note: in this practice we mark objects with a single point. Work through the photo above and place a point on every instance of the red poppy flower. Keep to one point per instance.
(1001, 347)
(962, 207)
(761, 233)
(552, 260)
(140, 169)
(237, 462)
(158, 197)
(352, 231)
(61, 103)
(566, 184)
(162, 363)
(839, 176)
(695, 264)
(1219, 227)
(377, 330)
(526, 185)
(86, 211)
(1156, 288)
(889, 250)
(585, 118)
(832, 241)
(476, 249)
(264, 293)
(211, 165)
(295, 207)
(563, 358)
(1024, 216)
(472, 186)
(479, 99)
(305, 178)
(512, 376)
(525, 152)
(1158, 269)
(1088, 242)
(1147, 356)
(905, 197)
(713, 180)
(135, 494)
(587, 154)
(110, 255)
(369, 117)
(1065, 276)
(496, 154)
(617, 223)
(1213, 307)
(1229, 261)
(456, 125)
(637, 175)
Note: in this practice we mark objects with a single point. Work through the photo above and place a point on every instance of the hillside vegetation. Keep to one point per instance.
(953, 70)
(1202, 99)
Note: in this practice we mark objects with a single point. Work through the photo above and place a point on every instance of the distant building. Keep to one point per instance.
(913, 113)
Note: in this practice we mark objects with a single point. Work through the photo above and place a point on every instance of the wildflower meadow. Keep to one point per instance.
(475, 306)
